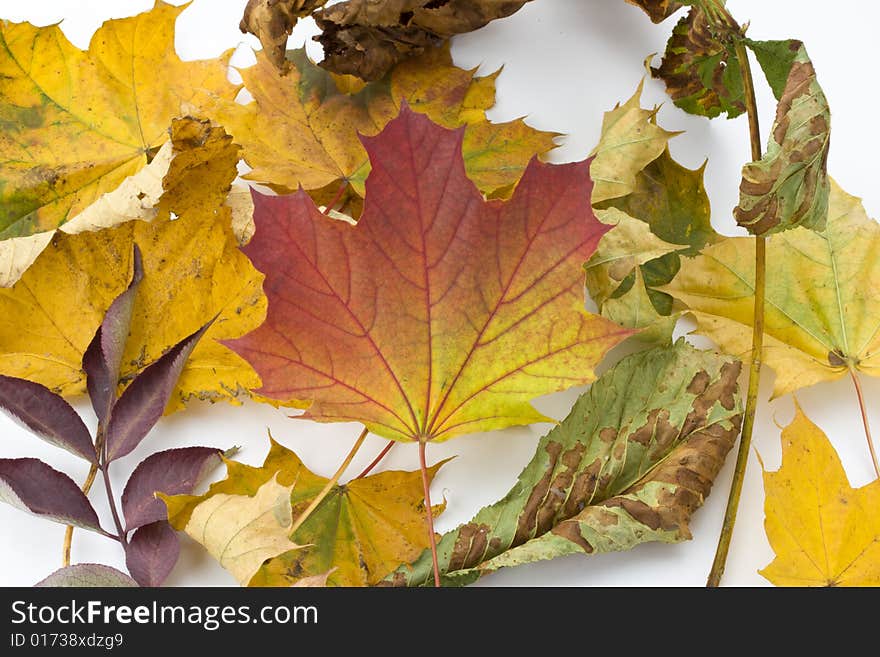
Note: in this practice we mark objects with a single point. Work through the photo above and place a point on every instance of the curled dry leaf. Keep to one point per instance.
(439, 313)
(789, 186)
(367, 38)
(240, 531)
(272, 21)
(635, 457)
(822, 309)
(823, 531)
(360, 532)
(302, 130)
(77, 123)
(193, 271)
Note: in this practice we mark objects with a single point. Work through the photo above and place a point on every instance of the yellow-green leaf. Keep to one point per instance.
(360, 532)
(822, 314)
(620, 251)
(76, 123)
(634, 310)
(193, 271)
(631, 139)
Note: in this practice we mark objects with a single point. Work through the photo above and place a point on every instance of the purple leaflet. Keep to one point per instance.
(103, 357)
(47, 415)
(144, 401)
(173, 472)
(152, 553)
(33, 486)
(84, 575)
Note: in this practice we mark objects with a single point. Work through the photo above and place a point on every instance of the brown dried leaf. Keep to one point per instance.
(272, 21)
(367, 37)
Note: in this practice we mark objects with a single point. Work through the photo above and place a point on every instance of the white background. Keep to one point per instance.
(565, 63)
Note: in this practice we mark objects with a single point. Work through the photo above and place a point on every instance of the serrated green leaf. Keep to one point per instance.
(776, 59)
(632, 461)
(672, 200)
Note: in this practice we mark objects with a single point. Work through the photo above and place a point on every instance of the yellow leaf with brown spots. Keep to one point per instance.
(359, 533)
(193, 271)
(74, 124)
(823, 531)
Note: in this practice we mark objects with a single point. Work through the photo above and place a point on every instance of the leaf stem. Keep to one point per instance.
(745, 443)
(68, 535)
(377, 460)
(86, 487)
(429, 511)
(105, 471)
(330, 484)
(858, 385)
(329, 207)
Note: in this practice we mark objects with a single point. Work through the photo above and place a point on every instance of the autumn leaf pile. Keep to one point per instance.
(419, 270)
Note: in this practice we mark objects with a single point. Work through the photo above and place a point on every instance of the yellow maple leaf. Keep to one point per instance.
(193, 271)
(359, 533)
(76, 123)
(822, 314)
(823, 531)
(631, 139)
(302, 128)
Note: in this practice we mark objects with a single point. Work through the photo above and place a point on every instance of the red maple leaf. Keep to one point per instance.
(439, 313)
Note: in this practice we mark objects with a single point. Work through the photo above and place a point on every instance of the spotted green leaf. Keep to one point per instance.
(629, 465)
(701, 69)
(789, 186)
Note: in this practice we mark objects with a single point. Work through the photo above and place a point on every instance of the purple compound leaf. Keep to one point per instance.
(47, 415)
(103, 357)
(85, 575)
(173, 472)
(33, 486)
(152, 553)
(145, 399)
